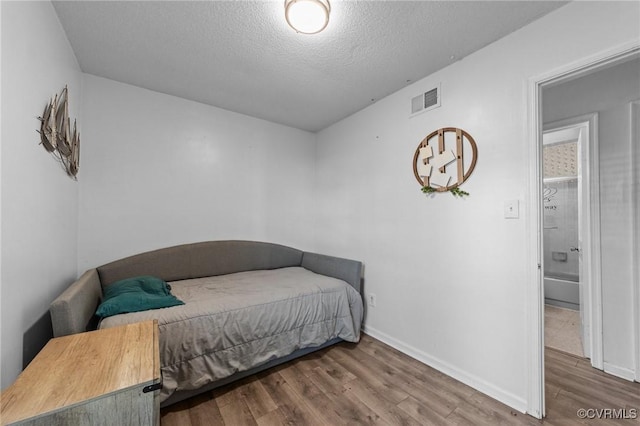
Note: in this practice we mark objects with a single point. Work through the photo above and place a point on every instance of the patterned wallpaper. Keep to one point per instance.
(561, 160)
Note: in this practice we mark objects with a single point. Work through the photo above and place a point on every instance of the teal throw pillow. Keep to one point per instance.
(136, 294)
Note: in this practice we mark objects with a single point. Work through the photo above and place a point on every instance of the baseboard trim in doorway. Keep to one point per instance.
(469, 379)
(623, 373)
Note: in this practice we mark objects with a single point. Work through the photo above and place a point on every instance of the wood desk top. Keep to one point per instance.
(74, 369)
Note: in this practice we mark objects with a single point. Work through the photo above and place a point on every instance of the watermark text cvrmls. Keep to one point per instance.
(608, 413)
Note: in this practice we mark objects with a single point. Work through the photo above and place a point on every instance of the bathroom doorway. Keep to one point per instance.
(566, 197)
(606, 90)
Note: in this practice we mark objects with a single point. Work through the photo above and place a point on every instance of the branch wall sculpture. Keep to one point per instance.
(56, 134)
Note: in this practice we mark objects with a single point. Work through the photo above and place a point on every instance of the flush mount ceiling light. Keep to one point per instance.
(307, 16)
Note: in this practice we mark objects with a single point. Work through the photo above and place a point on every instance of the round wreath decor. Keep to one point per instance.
(433, 157)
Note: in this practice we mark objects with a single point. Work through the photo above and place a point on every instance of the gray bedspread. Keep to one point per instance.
(231, 323)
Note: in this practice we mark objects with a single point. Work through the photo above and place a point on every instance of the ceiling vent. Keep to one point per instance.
(425, 101)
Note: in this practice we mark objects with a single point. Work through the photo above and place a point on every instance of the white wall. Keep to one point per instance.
(598, 91)
(609, 92)
(39, 201)
(451, 275)
(158, 170)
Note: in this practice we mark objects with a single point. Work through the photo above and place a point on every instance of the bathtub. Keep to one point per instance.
(562, 290)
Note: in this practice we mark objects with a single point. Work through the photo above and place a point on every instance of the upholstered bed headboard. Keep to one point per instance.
(199, 260)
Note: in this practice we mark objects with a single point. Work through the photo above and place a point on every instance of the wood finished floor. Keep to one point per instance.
(372, 383)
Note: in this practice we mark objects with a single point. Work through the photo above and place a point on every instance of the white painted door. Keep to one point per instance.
(557, 134)
(583, 207)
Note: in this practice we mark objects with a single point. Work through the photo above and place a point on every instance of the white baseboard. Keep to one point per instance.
(475, 382)
(623, 373)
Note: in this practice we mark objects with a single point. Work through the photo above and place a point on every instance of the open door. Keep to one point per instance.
(583, 142)
(571, 253)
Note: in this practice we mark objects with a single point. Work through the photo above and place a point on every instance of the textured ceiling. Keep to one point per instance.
(242, 56)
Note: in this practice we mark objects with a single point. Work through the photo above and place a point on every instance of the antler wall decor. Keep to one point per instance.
(56, 134)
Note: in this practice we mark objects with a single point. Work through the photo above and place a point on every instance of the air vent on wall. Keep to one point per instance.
(426, 101)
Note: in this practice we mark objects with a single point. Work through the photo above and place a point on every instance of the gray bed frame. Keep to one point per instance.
(74, 310)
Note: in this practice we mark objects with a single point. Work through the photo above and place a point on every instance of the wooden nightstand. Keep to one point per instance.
(104, 377)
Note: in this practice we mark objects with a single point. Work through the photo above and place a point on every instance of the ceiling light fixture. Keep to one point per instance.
(307, 16)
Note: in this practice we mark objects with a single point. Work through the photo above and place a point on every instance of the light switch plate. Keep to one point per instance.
(511, 209)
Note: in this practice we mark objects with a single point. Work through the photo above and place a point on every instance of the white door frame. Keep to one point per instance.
(635, 194)
(591, 279)
(535, 287)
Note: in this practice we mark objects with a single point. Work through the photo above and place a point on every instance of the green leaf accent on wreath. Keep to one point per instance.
(455, 191)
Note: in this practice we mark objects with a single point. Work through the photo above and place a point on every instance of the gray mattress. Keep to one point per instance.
(231, 323)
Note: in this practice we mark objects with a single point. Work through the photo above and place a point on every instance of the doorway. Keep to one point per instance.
(567, 234)
(591, 322)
